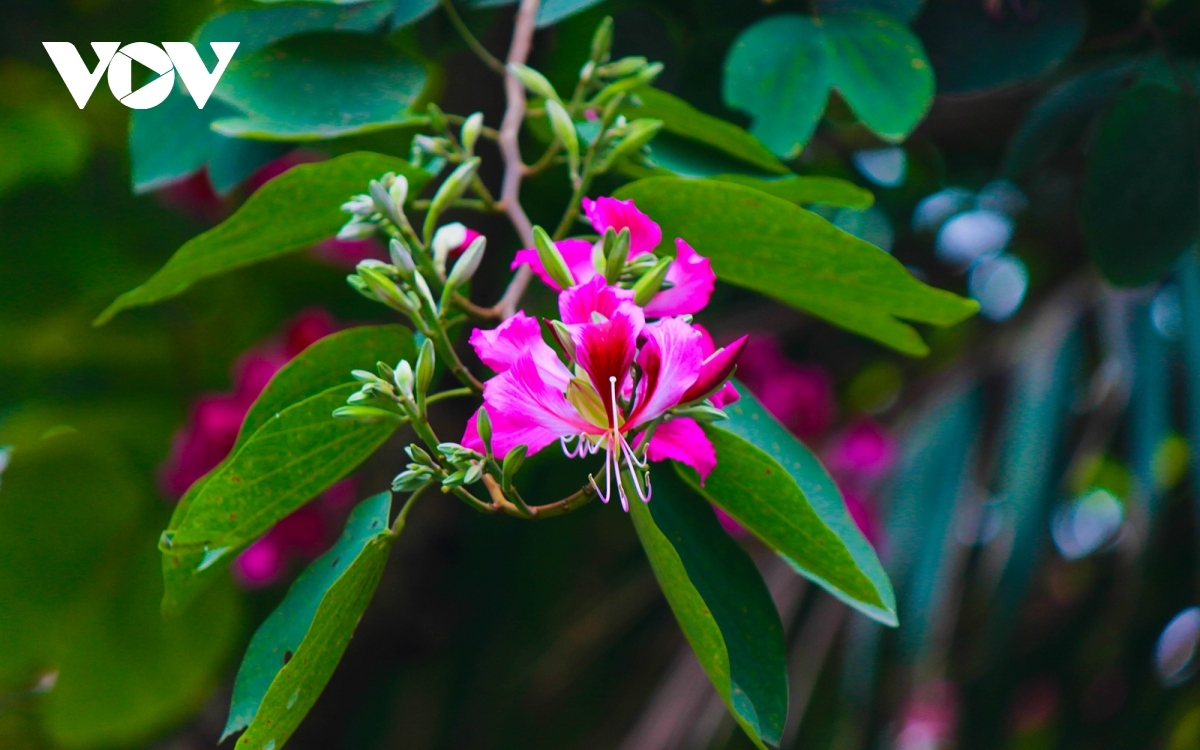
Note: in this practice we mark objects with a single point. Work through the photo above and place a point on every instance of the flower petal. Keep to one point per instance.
(692, 281)
(644, 234)
(717, 367)
(670, 359)
(526, 410)
(683, 440)
(503, 345)
(606, 349)
(576, 305)
(577, 253)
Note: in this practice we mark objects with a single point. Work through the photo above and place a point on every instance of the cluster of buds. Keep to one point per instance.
(384, 201)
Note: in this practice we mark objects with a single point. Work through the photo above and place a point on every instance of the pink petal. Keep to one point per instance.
(502, 346)
(261, 564)
(724, 397)
(730, 524)
(525, 410)
(717, 367)
(670, 360)
(606, 349)
(684, 441)
(576, 305)
(305, 531)
(864, 449)
(577, 253)
(308, 328)
(692, 281)
(644, 234)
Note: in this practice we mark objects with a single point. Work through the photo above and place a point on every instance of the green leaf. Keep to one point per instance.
(294, 652)
(778, 72)
(720, 601)
(777, 489)
(299, 453)
(326, 363)
(318, 86)
(1141, 206)
(781, 69)
(804, 190)
(880, 69)
(551, 12)
(1060, 117)
(256, 27)
(173, 140)
(410, 11)
(771, 246)
(682, 119)
(79, 579)
(291, 212)
(973, 49)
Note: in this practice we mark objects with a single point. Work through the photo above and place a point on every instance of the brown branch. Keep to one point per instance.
(510, 149)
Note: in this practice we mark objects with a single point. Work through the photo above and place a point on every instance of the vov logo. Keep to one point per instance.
(118, 61)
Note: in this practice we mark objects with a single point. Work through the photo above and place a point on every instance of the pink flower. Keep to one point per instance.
(536, 399)
(799, 396)
(690, 278)
(863, 450)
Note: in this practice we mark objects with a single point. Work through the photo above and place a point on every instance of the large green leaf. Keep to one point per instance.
(81, 597)
(320, 85)
(974, 46)
(256, 27)
(325, 364)
(291, 212)
(804, 190)
(294, 652)
(781, 69)
(778, 490)
(779, 249)
(1141, 206)
(684, 120)
(173, 140)
(299, 453)
(720, 601)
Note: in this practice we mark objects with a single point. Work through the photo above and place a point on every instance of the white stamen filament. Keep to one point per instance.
(616, 448)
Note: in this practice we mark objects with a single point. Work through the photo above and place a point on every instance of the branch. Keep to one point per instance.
(480, 51)
(510, 149)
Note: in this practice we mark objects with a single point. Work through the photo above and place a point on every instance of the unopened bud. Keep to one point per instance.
(423, 289)
(398, 190)
(364, 376)
(447, 239)
(426, 361)
(449, 191)
(410, 481)
(483, 426)
(359, 205)
(512, 464)
(702, 413)
(384, 289)
(437, 118)
(564, 130)
(384, 203)
(533, 80)
(649, 285)
(616, 252)
(363, 413)
(563, 336)
(625, 85)
(552, 259)
(637, 134)
(471, 128)
(401, 258)
(386, 372)
(467, 263)
(626, 66)
(602, 40)
(404, 378)
(418, 455)
(357, 230)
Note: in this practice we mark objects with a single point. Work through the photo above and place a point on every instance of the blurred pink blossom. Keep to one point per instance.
(799, 396)
(862, 450)
(930, 719)
(211, 431)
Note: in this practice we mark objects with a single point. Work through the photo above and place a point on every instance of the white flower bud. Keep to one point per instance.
(357, 230)
(446, 240)
(469, 135)
(398, 190)
(359, 205)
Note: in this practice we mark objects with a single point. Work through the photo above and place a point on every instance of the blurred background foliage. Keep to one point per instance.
(1029, 484)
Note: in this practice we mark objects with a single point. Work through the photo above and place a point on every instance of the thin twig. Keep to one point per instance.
(510, 149)
(480, 51)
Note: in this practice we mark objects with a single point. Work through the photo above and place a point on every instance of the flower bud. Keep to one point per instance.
(626, 66)
(512, 464)
(398, 190)
(357, 229)
(563, 336)
(552, 259)
(363, 376)
(386, 373)
(483, 426)
(469, 135)
(564, 130)
(423, 289)
(404, 378)
(702, 413)
(449, 191)
(602, 40)
(419, 456)
(411, 480)
(437, 118)
(384, 289)
(384, 203)
(616, 252)
(533, 80)
(426, 361)
(447, 239)
(637, 134)
(363, 413)
(649, 285)
(625, 85)
(359, 205)
(401, 258)
(474, 473)
(467, 264)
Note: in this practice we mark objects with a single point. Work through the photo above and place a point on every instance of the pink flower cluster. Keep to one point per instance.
(211, 431)
(622, 373)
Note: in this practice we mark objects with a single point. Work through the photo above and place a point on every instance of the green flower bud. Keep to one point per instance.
(423, 289)
(469, 135)
(386, 373)
(512, 464)
(360, 205)
(637, 134)
(551, 259)
(564, 130)
(564, 338)
(426, 360)
(363, 376)
(483, 425)
(649, 285)
(467, 263)
(626, 66)
(384, 289)
(602, 40)
(474, 473)
(401, 258)
(357, 229)
(702, 413)
(398, 190)
(404, 378)
(449, 191)
(384, 203)
(533, 80)
(418, 454)
(363, 413)
(616, 252)
(411, 480)
(437, 119)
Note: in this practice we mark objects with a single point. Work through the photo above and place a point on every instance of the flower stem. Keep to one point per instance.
(444, 395)
(476, 46)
